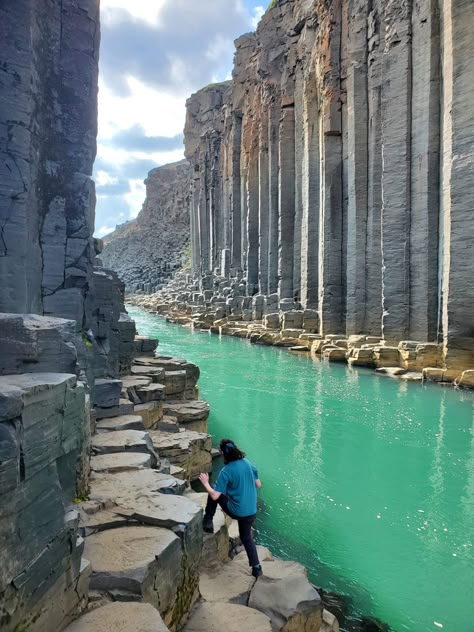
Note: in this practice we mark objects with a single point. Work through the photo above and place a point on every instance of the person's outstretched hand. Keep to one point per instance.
(204, 478)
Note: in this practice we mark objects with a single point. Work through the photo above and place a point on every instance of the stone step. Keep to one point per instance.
(187, 449)
(107, 393)
(191, 414)
(124, 422)
(125, 407)
(168, 424)
(155, 374)
(106, 487)
(124, 441)
(145, 346)
(215, 545)
(143, 564)
(151, 413)
(120, 462)
(216, 617)
(171, 364)
(116, 616)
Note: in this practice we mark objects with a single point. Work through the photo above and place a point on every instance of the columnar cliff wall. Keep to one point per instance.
(146, 251)
(61, 323)
(337, 167)
(48, 105)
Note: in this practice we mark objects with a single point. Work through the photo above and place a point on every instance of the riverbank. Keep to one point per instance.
(142, 523)
(325, 438)
(269, 321)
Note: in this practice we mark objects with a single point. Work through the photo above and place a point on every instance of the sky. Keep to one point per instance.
(154, 55)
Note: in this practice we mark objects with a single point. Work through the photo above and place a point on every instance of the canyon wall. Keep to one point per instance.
(62, 320)
(146, 251)
(336, 169)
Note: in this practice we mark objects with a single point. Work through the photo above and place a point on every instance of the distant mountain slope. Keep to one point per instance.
(148, 249)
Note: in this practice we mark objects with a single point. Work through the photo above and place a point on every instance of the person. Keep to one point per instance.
(236, 492)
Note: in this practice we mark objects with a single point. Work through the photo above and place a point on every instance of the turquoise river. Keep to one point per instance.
(368, 481)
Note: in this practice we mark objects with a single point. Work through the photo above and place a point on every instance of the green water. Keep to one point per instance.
(368, 481)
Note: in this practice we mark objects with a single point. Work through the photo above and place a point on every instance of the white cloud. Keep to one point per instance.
(146, 10)
(154, 53)
(160, 113)
(103, 230)
(258, 13)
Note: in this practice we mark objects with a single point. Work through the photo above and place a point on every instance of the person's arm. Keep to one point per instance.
(204, 478)
(258, 483)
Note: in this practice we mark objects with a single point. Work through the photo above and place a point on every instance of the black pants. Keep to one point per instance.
(245, 525)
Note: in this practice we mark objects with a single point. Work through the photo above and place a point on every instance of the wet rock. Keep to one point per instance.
(284, 593)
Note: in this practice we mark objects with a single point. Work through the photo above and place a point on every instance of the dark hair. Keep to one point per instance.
(230, 451)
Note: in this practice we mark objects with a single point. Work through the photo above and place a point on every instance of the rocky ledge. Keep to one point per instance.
(140, 526)
(219, 304)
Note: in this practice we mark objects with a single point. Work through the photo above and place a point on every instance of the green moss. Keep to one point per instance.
(273, 4)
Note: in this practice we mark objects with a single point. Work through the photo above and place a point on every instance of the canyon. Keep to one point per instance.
(333, 175)
(100, 435)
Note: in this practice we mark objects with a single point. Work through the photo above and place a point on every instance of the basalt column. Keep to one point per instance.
(331, 304)
(373, 282)
(396, 166)
(425, 145)
(458, 182)
(273, 188)
(263, 205)
(236, 229)
(310, 197)
(286, 204)
(357, 169)
(253, 201)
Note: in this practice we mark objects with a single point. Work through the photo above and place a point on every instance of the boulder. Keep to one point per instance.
(120, 616)
(284, 593)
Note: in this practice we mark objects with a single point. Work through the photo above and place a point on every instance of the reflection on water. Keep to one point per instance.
(368, 481)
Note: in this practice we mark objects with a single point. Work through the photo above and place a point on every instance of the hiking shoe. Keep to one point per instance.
(257, 571)
(208, 525)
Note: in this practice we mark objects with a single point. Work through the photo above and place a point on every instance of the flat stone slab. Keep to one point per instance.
(161, 510)
(187, 411)
(126, 558)
(187, 449)
(153, 373)
(226, 583)
(114, 487)
(216, 617)
(123, 441)
(120, 462)
(123, 422)
(125, 407)
(120, 617)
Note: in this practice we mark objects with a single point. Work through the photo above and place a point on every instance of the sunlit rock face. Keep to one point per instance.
(340, 164)
(146, 251)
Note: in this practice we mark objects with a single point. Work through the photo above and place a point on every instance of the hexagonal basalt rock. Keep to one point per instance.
(124, 441)
(215, 617)
(142, 564)
(120, 617)
(187, 449)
